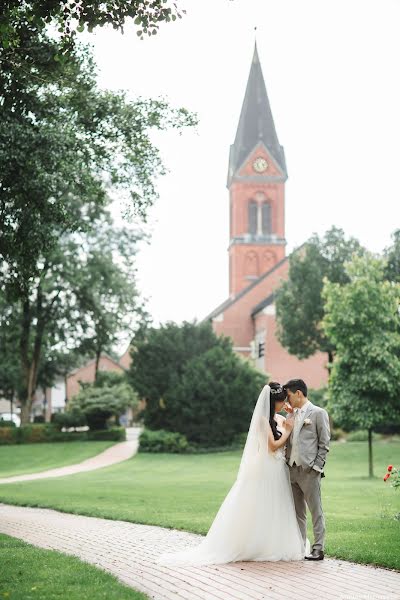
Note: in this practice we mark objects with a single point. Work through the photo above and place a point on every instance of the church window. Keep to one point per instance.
(266, 218)
(251, 266)
(261, 349)
(252, 217)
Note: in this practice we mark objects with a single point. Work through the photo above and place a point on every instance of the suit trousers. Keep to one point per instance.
(306, 488)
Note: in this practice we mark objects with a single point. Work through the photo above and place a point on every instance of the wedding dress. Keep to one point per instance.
(257, 520)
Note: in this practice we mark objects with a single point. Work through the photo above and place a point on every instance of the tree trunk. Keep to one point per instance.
(371, 467)
(330, 362)
(96, 368)
(25, 412)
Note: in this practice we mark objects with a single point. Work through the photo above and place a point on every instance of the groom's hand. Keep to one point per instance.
(289, 424)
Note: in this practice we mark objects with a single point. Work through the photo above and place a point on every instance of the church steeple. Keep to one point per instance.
(256, 123)
(256, 183)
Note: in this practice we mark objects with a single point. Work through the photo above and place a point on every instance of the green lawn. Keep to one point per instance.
(185, 492)
(19, 459)
(29, 573)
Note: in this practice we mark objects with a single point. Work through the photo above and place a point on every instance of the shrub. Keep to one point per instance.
(71, 418)
(98, 404)
(8, 435)
(361, 436)
(37, 433)
(4, 423)
(162, 441)
(115, 434)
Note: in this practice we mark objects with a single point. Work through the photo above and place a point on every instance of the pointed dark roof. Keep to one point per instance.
(256, 123)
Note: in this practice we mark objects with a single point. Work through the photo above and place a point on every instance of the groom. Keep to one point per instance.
(306, 451)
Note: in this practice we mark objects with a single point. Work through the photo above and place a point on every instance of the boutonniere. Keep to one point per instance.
(307, 422)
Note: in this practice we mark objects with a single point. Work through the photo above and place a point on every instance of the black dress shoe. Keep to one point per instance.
(315, 555)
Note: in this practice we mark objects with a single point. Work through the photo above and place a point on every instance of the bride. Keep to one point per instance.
(257, 520)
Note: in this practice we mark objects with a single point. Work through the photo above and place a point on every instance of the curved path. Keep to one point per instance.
(111, 456)
(129, 551)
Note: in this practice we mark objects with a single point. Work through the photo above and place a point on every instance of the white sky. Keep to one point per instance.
(331, 69)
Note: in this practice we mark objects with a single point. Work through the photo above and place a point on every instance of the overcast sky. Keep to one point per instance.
(331, 69)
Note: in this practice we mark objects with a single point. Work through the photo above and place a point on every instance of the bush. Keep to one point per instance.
(162, 441)
(337, 434)
(72, 418)
(115, 434)
(38, 419)
(4, 423)
(8, 435)
(37, 433)
(361, 436)
(98, 404)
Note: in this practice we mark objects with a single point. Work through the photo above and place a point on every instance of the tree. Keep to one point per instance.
(215, 398)
(299, 302)
(105, 287)
(191, 381)
(73, 17)
(62, 139)
(64, 145)
(362, 322)
(109, 396)
(392, 255)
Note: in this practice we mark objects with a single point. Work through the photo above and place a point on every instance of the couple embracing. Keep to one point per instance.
(263, 517)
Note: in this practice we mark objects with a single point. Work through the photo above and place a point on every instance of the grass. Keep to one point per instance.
(185, 492)
(30, 458)
(29, 573)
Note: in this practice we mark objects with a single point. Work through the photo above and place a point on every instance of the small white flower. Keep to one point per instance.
(307, 421)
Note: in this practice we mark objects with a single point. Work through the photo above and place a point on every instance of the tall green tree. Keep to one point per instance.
(392, 255)
(362, 322)
(299, 302)
(193, 382)
(64, 146)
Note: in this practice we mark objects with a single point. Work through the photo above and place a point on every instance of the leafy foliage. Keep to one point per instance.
(299, 302)
(362, 320)
(193, 383)
(162, 441)
(72, 17)
(64, 146)
(102, 400)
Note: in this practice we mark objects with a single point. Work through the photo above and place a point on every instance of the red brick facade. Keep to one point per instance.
(257, 263)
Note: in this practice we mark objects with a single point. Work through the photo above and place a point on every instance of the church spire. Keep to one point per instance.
(256, 123)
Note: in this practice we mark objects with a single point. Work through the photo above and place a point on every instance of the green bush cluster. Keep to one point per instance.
(361, 436)
(163, 441)
(194, 383)
(4, 423)
(37, 433)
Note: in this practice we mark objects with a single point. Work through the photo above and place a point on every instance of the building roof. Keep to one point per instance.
(93, 360)
(256, 123)
(217, 311)
(263, 304)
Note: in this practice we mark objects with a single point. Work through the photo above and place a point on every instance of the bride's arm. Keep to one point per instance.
(274, 444)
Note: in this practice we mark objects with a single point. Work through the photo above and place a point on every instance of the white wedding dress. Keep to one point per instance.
(257, 520)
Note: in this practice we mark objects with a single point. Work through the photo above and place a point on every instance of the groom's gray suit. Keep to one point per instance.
(306, 451)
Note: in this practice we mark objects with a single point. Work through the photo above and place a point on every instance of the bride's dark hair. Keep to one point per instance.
(278, 394)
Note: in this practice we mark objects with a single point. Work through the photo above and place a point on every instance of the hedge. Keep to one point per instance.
(162, 441)
(37, 433)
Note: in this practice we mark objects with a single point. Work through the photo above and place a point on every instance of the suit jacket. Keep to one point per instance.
(313, 439)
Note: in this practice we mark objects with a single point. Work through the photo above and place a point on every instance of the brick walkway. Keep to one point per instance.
(129, 551)
(111, 456)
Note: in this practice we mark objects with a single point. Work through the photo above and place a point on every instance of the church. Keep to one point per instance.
(258, 264)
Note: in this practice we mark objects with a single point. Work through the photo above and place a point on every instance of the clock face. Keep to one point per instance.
(260, 165)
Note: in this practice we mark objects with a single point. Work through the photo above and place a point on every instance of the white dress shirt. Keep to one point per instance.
(298, 421)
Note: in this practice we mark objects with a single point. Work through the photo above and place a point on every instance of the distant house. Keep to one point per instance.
(54, 399)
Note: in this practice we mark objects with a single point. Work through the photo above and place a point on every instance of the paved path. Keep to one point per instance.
(129, 551)
(111, 456)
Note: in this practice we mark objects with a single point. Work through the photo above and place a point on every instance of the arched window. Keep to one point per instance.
(252, 217)
(251, 269)
(266, 220)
